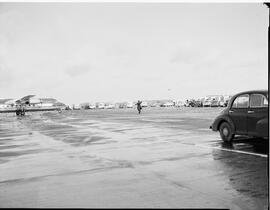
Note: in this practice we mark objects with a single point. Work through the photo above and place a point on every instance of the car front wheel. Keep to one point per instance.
(225, 132)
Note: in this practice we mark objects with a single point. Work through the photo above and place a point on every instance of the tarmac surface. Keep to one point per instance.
(163, 158)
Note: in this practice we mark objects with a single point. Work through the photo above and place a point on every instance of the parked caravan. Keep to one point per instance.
(92, 106)
(212, 101)
(109, 106)
(129, 104)
(179, 103)
(144, 104)
(75, 107)
(100, 105)
(167, 104)
(207, 101)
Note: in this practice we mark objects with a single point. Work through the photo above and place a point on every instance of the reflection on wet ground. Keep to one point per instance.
(255, 145)
(117, 158)
(242, 172)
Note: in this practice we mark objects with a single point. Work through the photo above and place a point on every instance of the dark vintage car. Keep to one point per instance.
(246, 114)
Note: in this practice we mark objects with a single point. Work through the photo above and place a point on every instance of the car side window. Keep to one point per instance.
(241, 101)
(258, 100)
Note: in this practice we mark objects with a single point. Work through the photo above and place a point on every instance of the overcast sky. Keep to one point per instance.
(83, 52)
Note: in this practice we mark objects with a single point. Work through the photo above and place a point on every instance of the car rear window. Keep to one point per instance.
(258, 100)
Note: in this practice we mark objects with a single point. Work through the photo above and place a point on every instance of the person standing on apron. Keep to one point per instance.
(139, 106)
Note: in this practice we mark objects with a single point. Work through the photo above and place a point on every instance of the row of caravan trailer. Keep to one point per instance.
(216, 100)
(208, 101)
(102, 105)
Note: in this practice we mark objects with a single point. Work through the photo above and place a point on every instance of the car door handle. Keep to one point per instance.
(230, 111)
(249, 112)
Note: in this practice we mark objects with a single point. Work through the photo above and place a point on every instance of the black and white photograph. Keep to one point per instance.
(134, 104)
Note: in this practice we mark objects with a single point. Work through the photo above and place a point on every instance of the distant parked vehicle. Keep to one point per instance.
(67, 108)
(186, 103)
(122, 106)
(207, 102)
(100, 105)
(220, 99)
(167, 104)
(84, 106)
(179, 103)
(144, 104)
(222, 103)
(154, 105)
(129, 104)
(197, 103)
(214, 102)
(109, 106)
(194, 103)
(92, 106)
(227, 99)
(76, 107)
(246, 114)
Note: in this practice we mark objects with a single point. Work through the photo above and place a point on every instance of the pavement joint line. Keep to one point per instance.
(230, 150)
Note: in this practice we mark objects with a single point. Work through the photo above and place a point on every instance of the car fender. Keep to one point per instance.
(262, 127)
(219, 120)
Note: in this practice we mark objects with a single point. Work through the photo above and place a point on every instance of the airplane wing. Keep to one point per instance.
(30, 109)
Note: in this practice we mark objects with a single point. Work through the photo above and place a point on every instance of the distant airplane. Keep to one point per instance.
(30, 103)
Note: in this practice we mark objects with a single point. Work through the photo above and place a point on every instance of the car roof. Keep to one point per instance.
(252, 91)
(264, 91)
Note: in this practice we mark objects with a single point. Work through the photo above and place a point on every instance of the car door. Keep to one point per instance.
(238, 113)
(257, 112)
